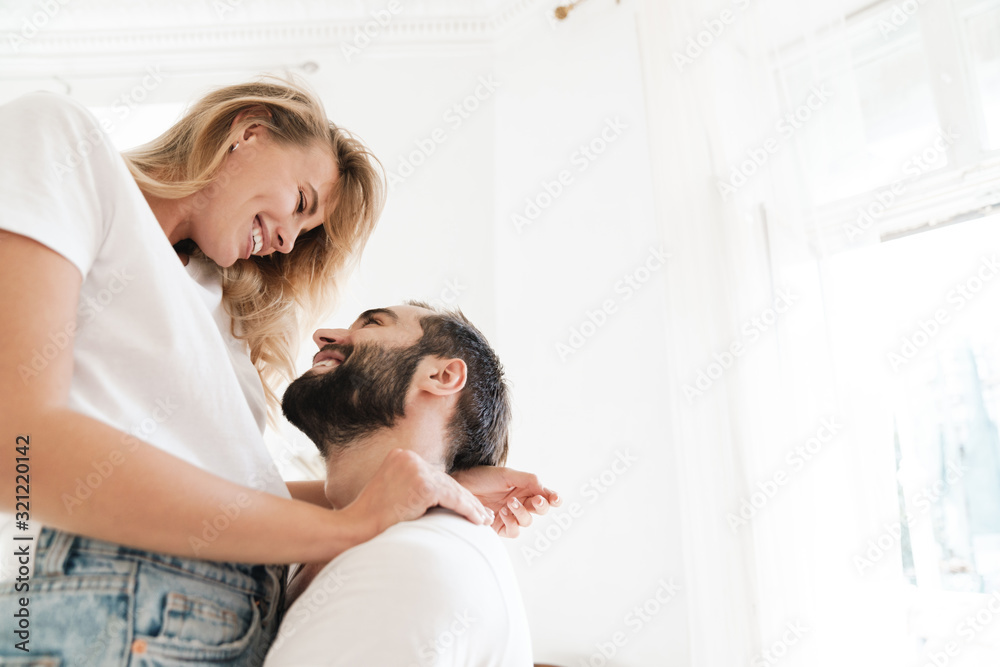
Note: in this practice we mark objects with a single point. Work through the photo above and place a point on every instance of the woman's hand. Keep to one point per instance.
(512, 495)
(404, 487)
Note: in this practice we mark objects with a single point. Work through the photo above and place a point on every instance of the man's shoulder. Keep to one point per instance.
(436, 541)
(441, 558)
(442, 526)
(438, 590)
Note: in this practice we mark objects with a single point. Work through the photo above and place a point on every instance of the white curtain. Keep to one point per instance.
(781, 478)
(699, 313)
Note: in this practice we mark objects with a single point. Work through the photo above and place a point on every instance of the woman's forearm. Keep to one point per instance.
(310, 491)
(89, 478)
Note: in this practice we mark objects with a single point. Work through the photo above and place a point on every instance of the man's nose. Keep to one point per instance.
(324, 337)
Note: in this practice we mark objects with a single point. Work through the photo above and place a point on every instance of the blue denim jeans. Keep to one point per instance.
(98, 604)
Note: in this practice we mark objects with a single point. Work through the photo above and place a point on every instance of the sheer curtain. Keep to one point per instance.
(783, 469)
(702, 234)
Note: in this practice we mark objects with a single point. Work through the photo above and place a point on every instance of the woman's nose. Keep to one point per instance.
(324, 337)
(283, 240)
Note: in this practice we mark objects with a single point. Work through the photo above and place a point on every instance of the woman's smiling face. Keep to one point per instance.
(265, 196)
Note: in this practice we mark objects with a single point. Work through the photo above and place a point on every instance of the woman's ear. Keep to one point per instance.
(248, 115)
(441, 377)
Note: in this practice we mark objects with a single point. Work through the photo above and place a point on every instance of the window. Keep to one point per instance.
(916, 345)
(981, 34)
(912, 132)
(949, 463)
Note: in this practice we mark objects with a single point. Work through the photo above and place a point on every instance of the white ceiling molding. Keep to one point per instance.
(74, 37)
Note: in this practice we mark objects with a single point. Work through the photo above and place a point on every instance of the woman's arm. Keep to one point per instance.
(151, 499)
(513, 495)
(310, 491)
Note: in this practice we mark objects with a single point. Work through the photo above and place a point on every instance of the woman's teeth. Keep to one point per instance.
(258, 237)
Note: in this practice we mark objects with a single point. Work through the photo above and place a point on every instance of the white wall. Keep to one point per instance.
(578, 412)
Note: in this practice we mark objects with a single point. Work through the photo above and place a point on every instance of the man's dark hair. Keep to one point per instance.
(478, 431)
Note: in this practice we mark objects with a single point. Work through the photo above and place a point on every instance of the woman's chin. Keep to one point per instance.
(225, 260)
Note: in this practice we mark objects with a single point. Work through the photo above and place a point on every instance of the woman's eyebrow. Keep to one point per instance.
(315, 200)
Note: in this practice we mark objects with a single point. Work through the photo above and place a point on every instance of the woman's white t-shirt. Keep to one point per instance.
(153, 355)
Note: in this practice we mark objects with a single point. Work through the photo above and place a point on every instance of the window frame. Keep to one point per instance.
(967, 187)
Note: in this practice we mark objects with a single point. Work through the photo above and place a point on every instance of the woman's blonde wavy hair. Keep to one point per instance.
(270, 298)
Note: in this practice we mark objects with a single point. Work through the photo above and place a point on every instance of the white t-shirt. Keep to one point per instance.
(438, 591)
(152, 352)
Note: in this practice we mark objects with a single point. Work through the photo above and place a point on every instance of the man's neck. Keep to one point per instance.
(350, 468)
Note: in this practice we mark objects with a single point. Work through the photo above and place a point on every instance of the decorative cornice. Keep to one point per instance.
(32, 34)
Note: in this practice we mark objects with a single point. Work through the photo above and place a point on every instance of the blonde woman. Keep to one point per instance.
(150, 305)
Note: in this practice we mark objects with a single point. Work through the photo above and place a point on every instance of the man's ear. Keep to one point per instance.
(441, 377)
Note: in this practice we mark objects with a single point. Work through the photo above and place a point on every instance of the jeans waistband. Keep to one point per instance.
(56, 546)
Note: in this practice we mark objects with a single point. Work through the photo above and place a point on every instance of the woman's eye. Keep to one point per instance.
(302, 201)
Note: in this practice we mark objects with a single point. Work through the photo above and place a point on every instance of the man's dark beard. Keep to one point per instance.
(365, 393)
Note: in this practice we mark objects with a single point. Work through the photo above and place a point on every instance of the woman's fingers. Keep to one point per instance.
(498, 525)
(520, 513)
(457, 498)
(538, 505)
(405, 486)
(510, 525)
(515, 515)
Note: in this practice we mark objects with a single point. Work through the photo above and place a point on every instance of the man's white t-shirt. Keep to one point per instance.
(438, 591)
(152, 352)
